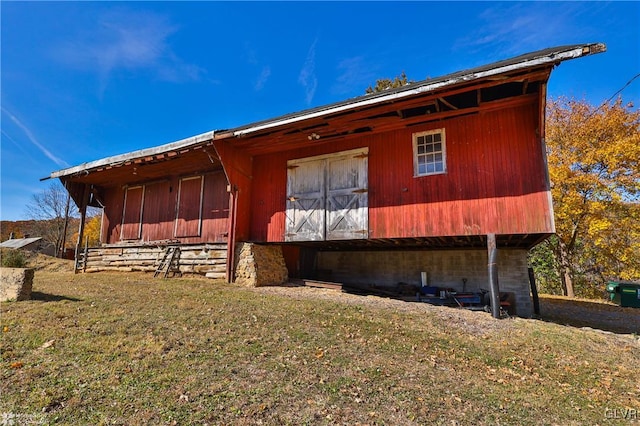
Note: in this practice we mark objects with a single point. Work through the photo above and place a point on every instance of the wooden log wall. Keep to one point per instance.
(203, 259)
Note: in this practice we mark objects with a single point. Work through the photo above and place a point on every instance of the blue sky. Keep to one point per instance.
(87, 80)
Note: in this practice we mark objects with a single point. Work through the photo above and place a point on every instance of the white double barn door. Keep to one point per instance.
(327, 197)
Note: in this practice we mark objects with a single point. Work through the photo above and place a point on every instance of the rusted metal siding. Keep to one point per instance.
(204, 217)
(495, 180)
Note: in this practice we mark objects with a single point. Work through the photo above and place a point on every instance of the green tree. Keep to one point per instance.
(593, 157)
(383, 84)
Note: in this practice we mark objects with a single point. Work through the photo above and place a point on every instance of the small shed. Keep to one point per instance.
(34, 244)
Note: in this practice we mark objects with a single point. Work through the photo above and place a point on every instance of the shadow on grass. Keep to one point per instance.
(581, 313)
(45, 297)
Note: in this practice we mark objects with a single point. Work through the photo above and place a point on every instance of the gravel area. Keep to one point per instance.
(576, 313)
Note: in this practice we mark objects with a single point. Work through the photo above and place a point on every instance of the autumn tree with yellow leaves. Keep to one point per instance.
(92, 228)
(593, 156)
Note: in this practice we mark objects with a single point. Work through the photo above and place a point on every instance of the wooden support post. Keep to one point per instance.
(60, 250)
(231, 235)
(493, 275)
(534, 292)
(83, 215)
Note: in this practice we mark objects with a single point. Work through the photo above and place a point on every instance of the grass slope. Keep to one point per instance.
(129, 349)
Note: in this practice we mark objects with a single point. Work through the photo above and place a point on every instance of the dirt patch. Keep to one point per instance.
(478, 323)
(41, 262)
(599, 315)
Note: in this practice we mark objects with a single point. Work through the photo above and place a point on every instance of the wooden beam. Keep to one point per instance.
(444, 101)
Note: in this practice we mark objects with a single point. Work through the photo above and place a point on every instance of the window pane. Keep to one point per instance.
(429, 152)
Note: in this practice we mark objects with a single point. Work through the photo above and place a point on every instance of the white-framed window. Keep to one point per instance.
(429, 153)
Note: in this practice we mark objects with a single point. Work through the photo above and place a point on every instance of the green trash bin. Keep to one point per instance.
(630, 295)
(625, 293)
(613, 288)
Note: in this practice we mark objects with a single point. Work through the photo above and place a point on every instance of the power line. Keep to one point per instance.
(623, 87)
(612, 96)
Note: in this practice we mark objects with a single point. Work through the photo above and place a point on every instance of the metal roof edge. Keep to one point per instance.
(541, 57)
(172, 146)
(18, 243)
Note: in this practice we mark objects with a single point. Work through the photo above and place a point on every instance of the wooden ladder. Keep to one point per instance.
(169, 262)
(81, 258)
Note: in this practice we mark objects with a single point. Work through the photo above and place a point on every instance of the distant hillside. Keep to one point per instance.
(20, 228)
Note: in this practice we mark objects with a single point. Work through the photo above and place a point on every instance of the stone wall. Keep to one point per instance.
(204, 259)
(260, 265)
(15, 284)
(445, 268)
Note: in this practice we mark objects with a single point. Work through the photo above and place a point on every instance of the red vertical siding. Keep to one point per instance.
(215, 208)
(494, 183)
(159, 211)
(238, 169)
(112, 215)
(189, 207)
(134, 197)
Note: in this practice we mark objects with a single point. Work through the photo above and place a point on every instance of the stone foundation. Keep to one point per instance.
(260, 265)
(15, 284)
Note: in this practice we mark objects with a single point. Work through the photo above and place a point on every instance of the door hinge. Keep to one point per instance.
(360, 191)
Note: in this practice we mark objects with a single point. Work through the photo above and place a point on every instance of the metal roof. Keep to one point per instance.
(546, 57)
(173, 146)
(18, 243)
(551, 56)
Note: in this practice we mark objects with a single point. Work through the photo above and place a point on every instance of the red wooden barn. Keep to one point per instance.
(382, 189)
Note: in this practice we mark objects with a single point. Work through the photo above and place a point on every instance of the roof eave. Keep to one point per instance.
(121, 158)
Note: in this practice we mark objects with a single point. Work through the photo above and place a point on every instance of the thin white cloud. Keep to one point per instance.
(34, 141)
(127, 40)
(355, 75)
(262, 79)
(508, 28)
(307, 77)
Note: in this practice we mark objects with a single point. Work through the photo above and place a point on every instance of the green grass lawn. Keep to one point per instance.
(129, 349)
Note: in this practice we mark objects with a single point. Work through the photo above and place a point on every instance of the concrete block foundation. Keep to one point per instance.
(444, 268)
